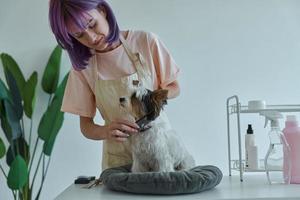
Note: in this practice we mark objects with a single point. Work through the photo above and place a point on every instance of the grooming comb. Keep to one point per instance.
(143, 122)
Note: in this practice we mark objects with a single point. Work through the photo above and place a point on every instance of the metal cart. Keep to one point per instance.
(238, 109)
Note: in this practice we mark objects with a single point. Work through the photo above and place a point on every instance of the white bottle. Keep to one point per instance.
(251, 157)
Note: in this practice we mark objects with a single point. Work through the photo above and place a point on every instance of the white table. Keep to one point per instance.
(253, 187)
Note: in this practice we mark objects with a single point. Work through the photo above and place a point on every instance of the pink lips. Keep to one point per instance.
(97, 42)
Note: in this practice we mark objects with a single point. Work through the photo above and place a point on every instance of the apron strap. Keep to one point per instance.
(130, 54)
(133, 57)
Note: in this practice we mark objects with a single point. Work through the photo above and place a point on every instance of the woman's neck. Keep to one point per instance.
(115, 44)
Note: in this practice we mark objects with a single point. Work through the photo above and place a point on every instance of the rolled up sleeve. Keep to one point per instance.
(78, 98)
(166, 68)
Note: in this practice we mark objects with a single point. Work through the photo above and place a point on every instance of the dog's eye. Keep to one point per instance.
(122, 99)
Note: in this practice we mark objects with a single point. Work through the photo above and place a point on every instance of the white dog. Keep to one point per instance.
(156, 147)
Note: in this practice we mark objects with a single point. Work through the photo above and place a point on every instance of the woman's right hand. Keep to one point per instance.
(119, 130)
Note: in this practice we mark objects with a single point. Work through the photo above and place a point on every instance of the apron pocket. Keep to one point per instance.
(116, 160)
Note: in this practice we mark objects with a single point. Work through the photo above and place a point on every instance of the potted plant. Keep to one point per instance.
(17, 101)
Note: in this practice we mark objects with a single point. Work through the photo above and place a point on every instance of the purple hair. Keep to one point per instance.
(63, 11)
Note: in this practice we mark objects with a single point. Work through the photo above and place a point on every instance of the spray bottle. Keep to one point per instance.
(274, 159)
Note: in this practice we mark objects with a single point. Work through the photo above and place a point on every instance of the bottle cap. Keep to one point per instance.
(256, 105)
(249, 130)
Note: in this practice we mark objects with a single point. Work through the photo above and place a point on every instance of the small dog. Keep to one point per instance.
(156, 147)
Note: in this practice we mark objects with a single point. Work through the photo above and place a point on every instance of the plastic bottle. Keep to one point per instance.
(274, 159)
(251, 155)
(292, 135)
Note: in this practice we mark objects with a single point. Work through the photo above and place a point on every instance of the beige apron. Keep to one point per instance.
(108, 93)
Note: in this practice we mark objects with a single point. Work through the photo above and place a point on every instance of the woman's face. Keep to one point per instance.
(97, 29)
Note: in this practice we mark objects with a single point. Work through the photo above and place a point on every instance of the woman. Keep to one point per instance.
(108, 64)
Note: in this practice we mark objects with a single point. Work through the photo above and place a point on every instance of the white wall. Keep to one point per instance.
(224, 47)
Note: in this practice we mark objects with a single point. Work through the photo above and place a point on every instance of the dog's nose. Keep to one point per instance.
(122, 99)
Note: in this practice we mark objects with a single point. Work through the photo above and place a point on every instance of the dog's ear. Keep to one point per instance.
(160, 95)
(159, 99)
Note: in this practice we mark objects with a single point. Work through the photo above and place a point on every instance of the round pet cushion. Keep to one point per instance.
(197, 179)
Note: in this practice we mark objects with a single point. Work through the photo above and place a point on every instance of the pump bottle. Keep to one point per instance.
(251, 155)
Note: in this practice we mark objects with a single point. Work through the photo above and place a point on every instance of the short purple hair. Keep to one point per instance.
(63, 11)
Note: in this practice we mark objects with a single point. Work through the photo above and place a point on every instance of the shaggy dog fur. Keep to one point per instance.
(156, 147)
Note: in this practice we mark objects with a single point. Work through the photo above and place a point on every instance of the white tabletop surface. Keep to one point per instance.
(253, 187)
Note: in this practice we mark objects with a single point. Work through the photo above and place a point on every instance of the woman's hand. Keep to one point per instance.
(119, 130)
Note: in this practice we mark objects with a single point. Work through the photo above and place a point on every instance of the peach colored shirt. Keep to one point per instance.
(79, 97)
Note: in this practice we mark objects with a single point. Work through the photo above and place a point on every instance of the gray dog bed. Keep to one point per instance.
(195, 180)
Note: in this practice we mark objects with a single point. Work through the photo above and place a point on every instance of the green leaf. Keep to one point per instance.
(29, 94)
(61, 88)
(18, 174)
(51, 119)
(51, 73)
(10, 155)
(48, 144)
(4, 93)
(23, 150)
(15, 94)
(2, 149)
(9, 64)
(4, 122)
(13, 120)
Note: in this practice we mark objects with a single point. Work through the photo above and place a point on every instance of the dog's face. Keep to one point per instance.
(143, 102)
